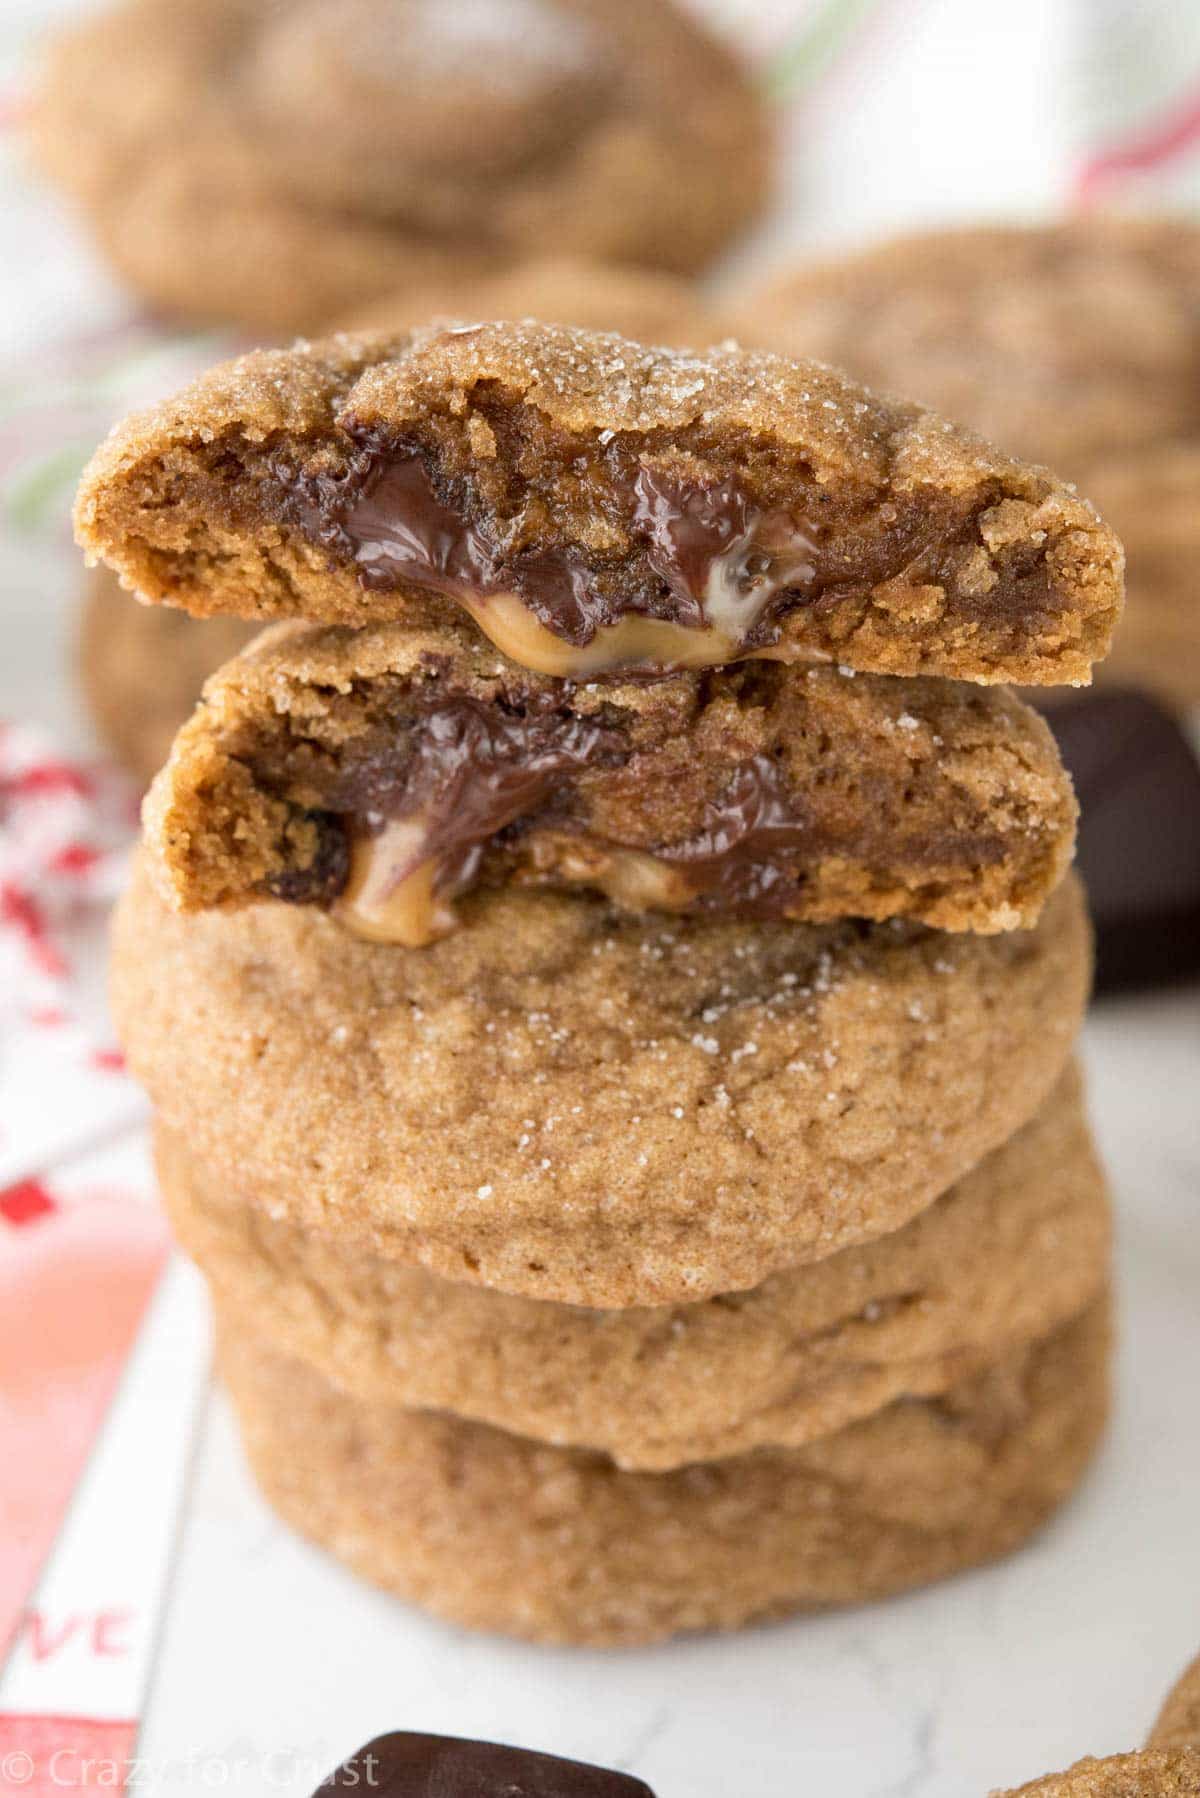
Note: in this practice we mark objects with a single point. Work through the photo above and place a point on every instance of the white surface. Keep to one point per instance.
(274, 1663)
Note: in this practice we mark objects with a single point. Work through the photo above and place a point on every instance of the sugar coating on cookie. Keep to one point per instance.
(572, 1102)
(1152, 1773)
(1018, 1247)
(361, 148)
(492, 1531)
(385, 772)
(596, 505)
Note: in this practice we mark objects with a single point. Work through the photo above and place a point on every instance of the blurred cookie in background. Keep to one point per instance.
(645, 304)
(280, 166)
(142, 668)
(1077, 345)
(1151, 496)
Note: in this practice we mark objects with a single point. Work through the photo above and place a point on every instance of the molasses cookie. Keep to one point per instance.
(572, 1102)
(1061, 342)
(1178, 1724)
(1154, 495)
(1015, 1249)
(1076, 344)
(1169, 1766)
(142, 668)
(1154, 1773)
(596, 505)
(383, 773)
(559, 1545)
(281, 166)
(645, 304)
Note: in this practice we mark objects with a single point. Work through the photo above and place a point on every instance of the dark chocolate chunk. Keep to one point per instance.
(397, 526)
(404, 1765)
(1138, 782)
(688, 529)
(386, 515)
(474, 771)
(712, 560)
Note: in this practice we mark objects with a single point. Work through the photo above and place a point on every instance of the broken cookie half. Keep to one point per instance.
(596, 507)
(383, 773)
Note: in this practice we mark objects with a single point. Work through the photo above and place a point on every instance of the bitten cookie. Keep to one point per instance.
(557, 1545)
(142, 668)
(574, 1103)
(1012, 1252)
(1076, 344)
(596, 505)
(384, 773)
(280, 166)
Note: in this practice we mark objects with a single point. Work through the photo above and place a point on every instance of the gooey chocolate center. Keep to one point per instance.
(713, 566)
(414, 822)
(419, 827)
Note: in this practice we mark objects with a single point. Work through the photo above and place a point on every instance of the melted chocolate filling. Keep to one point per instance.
(387, 515)
(735, 859)
(749, 856)
(477, 774)
(474, 771)
(687, 529)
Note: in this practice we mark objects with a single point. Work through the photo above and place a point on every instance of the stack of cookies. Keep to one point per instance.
(607, 968)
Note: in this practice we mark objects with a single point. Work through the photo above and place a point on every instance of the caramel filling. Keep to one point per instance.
(405, 872)
(394, 893)
(391, 893)
(632, 642)
(633, 878)
(712, 567)
(477, 770)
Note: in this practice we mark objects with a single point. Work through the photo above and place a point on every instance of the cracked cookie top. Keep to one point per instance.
(598, 506)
